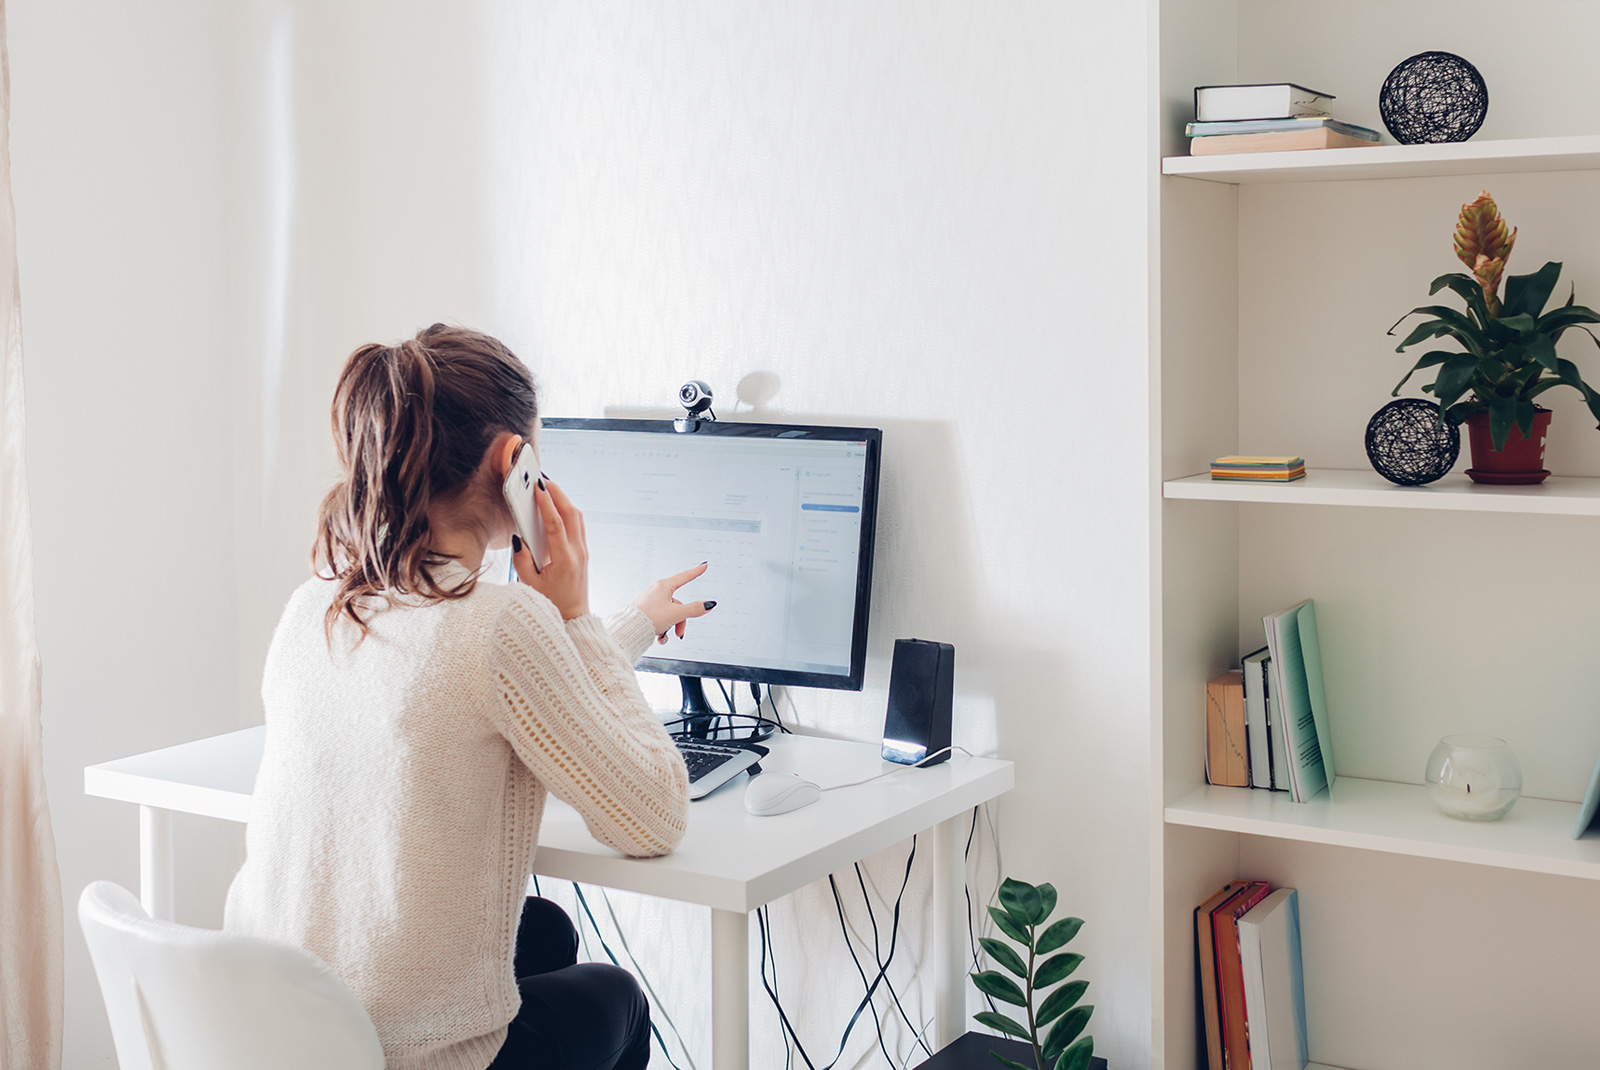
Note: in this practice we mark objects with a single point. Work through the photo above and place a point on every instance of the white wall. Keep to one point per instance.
(925, 217)
(116, 126)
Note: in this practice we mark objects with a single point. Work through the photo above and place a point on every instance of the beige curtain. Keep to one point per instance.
(30, 885)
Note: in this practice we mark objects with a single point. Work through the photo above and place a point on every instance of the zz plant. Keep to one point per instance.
(1021, 915)
(1509, 356)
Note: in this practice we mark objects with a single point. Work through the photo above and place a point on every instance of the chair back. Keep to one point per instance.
(182, 998)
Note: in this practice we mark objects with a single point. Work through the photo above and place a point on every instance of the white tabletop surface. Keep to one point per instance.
(729, 860)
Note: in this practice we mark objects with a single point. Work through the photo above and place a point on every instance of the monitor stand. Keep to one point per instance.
(698, 716)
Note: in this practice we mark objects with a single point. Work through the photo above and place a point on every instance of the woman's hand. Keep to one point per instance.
(666, 613)
(565, 580)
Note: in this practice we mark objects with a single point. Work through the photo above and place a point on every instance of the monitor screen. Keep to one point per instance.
(784, 514)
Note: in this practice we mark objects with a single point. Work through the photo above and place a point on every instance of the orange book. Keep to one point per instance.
(1227, 759)
(1206, 949)
(1230, 974)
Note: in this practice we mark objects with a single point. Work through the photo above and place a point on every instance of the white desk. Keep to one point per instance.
(729, 861)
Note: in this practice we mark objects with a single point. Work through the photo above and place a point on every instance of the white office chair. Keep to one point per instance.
(191, 999)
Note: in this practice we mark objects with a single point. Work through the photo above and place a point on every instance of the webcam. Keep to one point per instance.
(695, 396)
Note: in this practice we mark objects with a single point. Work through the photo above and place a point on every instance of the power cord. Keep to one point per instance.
(892, 772)
(872, 918)
(655, 1000)
(871, 987)
(966, 889)
(655, 1030)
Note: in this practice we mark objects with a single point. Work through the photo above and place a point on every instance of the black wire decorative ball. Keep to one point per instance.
(1409, 445)
(1433, 96)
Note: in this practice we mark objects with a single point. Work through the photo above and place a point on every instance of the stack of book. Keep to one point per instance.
(1267, 724)
(1252, 986)
(1259, 469)
(1268, 118)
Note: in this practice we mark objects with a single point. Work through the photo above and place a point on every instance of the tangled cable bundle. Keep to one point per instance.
(1408, 444)
(1432, 97)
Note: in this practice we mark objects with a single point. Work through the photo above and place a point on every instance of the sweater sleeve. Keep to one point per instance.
(571, 708)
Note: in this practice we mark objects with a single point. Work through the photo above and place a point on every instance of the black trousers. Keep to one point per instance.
(574, 1016)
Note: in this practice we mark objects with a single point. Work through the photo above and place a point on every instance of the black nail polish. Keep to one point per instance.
(516, 545)
(710, 606)
(541, 484)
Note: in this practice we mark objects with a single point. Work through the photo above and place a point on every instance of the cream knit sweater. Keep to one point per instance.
(402, 783)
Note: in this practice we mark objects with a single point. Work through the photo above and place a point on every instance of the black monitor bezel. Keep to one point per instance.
(869, 530)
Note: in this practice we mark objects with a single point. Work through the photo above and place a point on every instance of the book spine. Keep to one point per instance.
(1230, 977)
(1227, 746)
(1255, 714)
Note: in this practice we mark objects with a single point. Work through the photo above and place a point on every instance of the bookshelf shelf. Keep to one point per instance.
(1574, 153)
(1376, 815)
(1557, 495)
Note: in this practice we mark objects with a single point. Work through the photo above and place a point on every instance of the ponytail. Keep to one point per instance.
(411, 424)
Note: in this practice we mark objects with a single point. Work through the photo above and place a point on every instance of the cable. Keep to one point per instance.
(765, 728)
(966, 889)
(903, 768)
(871, 917)
(655, 1030)
(772, 992)
(788, 1041)
(655, 1000)
(866, 1000)
(850, 946)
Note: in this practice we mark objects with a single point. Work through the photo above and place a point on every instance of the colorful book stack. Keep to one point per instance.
(1252, 984)
(1268, 118)
(1267, 724)
(1259, 469)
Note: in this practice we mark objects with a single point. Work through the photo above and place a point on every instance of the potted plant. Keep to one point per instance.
(1021, 916)
(1509, 356)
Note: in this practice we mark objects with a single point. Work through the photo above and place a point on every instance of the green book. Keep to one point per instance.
(1297, 684)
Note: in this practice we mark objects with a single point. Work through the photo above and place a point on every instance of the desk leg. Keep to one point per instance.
(950, 954)
(730, 990)
(155, 862)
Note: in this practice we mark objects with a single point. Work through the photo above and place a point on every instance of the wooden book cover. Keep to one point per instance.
(1227, 751)
(1285, 141)
(1230, 974)
(1206, 950)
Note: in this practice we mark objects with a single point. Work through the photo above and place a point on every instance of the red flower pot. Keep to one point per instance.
(1522, 461)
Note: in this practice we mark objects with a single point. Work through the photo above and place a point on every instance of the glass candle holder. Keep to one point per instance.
(1474, 777)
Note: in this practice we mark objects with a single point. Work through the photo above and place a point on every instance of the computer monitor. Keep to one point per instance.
(785, 514)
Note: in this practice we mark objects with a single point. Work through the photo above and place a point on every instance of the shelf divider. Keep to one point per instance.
(1579, 152)
(1377, 815)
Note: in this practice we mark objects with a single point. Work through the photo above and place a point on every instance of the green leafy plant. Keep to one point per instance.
(1510, 347)
(1021, 915)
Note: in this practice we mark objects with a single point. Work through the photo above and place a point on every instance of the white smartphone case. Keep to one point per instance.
(518, 490)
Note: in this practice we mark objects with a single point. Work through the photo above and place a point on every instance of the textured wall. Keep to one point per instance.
(116, 130)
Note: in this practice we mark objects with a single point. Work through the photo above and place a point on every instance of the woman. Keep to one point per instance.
(416, 718)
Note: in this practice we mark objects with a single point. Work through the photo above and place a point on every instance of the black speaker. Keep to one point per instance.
(921, 690)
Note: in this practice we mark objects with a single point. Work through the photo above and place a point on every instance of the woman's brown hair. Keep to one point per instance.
(411, 423)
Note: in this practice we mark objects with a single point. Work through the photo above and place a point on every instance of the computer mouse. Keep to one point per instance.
(778, 793)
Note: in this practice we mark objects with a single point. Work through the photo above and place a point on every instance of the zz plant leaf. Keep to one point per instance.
(1023, 917)
(1508, 349)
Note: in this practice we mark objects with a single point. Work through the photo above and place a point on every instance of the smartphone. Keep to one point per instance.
(518, 491)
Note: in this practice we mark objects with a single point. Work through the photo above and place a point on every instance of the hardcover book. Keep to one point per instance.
(1297, 682)
(1274, 983)
(1273, 100)
(1230, 975)
(1205, 948)
(1227, 746)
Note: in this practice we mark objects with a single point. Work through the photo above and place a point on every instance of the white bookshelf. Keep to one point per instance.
(1451, 607)
(1512, 156)
(1556, 496)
